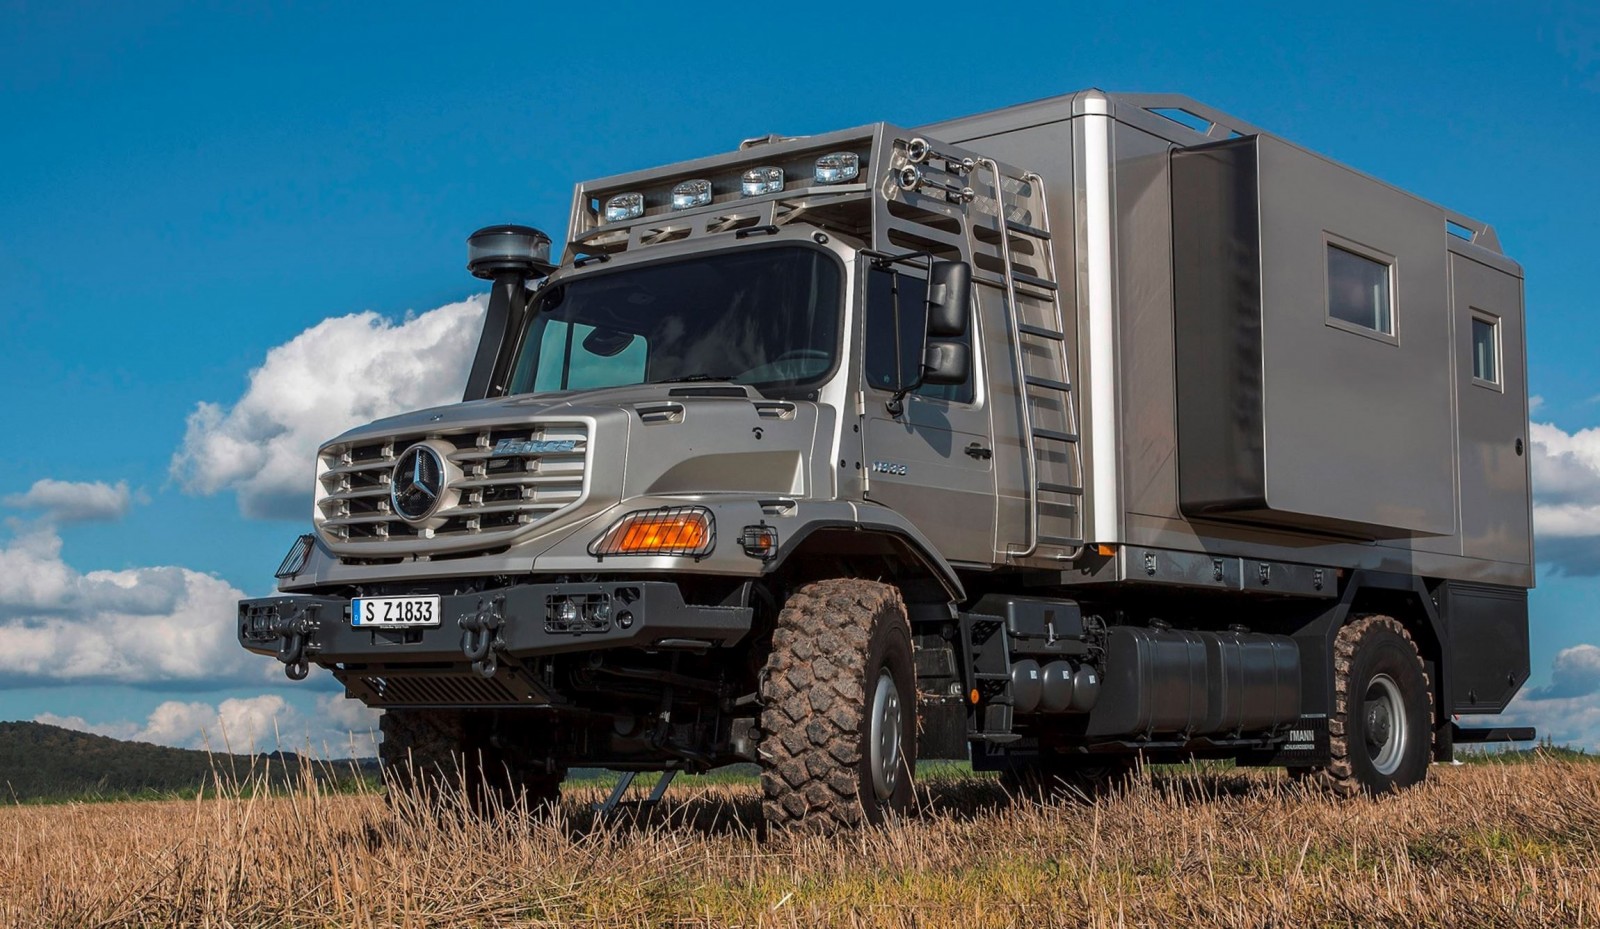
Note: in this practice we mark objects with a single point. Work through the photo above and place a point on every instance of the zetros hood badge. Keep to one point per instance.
(416, 484)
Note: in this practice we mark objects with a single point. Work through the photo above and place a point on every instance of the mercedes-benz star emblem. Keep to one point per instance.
(417, 482)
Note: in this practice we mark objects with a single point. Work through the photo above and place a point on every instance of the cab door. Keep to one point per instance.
(933, 463)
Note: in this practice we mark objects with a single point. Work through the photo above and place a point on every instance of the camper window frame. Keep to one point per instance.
(1333, 241)
(1497, 383)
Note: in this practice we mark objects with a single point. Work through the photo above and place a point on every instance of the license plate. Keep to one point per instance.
(394, 612)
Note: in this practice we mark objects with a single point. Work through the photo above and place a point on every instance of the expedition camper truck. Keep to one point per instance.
(1097, 428)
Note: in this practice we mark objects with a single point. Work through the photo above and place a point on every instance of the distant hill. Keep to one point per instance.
(42, 762)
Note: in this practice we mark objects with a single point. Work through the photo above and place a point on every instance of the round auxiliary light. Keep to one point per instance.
(624, 206)
(691, 193)
(763, 180)
(497, 249)
(837, 167)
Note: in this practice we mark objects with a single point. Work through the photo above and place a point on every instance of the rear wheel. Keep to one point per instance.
(432, 754)
(1381, 730)
(839, 708)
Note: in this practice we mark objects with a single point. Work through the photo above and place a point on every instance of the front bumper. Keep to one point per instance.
(518, 622)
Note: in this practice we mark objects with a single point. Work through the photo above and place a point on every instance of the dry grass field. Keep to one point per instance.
(1481, 845)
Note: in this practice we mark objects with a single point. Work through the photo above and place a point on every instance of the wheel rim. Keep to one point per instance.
(883, 737)
(1385, 726)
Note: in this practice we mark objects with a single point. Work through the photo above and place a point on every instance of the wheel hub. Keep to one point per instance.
(1385, 724)
(883, 737)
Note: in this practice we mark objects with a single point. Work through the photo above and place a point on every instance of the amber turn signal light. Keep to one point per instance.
(679, 530)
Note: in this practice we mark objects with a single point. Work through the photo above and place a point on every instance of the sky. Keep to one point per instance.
(227, 234)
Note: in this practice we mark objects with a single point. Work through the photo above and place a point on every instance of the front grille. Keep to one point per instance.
(497, 482)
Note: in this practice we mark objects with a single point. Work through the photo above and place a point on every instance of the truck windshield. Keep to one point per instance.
(767, 317)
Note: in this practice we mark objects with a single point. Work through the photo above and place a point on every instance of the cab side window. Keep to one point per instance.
(895, 357)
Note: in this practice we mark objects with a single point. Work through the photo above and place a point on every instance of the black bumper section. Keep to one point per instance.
(522, 621)
(1461, 735)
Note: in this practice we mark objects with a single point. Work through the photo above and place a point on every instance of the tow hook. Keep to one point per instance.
(291, 631)
(480, 634)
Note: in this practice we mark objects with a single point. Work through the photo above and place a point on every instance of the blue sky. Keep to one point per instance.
(184, 190)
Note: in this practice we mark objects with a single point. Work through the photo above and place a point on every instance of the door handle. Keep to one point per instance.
(979, 452)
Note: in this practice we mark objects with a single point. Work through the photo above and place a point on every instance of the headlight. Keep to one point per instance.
(837, 167)
(671, 530)
(624, 206)
(691, 193)
(764, 180)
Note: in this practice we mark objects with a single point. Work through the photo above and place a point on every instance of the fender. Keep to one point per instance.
(872, 519)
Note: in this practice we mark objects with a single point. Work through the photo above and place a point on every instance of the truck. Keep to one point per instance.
(1101, 428)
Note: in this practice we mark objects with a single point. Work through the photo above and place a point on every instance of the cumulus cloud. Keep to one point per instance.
(74, 501)
(339, 373)
(135, 626)
(1566, 497)
(337, 728)
(1567, 711)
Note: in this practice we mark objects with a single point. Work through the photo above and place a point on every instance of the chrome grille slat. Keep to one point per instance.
(499, 495)
(361, 494)
(522, 479)
(381, 465)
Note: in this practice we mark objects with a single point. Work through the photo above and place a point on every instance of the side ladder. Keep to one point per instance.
(1038, 338)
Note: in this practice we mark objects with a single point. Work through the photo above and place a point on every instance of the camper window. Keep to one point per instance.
(1485, 350)
(1359, 291)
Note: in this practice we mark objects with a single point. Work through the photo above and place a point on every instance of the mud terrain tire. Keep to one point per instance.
(839, 710)
(1380, 735)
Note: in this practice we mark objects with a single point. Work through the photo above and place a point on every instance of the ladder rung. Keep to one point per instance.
(1054, 435)
(1059, 540)
(1040, 331)
(1048, 487)
(1062, 386)
(1025, 229)
(1032, 281)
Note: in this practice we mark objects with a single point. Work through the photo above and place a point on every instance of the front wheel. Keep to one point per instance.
(839, 708)
(1381, 730)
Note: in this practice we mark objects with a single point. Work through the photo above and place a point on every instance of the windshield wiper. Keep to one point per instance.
(690, 378)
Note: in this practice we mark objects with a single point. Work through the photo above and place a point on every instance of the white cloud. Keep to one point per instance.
(1575, 673)
(338, 728)
(137, 625)
(74, 501)
(1566, 497)
(340, 373)
(1568, 710)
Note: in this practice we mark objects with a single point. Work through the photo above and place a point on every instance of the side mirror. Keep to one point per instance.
(949, 299)
(946, 363)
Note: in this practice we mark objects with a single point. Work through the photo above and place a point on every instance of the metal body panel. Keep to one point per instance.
(1418, 479)
(1333, 427)
(1489, 656)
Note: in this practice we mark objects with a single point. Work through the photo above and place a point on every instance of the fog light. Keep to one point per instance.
(496, 249)
(763, 180)
(837, 167)
(566, 612)
(624, 206)
(760, 541)
(691, 193)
